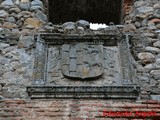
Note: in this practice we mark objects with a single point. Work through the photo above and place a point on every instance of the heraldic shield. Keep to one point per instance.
(82, 60)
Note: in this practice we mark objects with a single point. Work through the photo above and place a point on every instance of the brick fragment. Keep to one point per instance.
(132, 105)
(153, 105)
(76, 118)
(15, 101)
(150, 102)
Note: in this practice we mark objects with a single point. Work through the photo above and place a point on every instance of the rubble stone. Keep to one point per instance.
(7, 3)
(34, 22)
(9, 25)
(146, 57)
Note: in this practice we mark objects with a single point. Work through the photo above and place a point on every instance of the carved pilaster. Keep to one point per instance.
(40, 62)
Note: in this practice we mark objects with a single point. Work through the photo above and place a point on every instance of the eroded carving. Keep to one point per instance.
(126, 63)
(39, 62)
(66, 62)
(82, 60)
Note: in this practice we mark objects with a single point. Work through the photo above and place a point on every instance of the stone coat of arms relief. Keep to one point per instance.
(82, 66)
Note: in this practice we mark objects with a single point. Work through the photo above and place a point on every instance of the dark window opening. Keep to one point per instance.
(95, 11)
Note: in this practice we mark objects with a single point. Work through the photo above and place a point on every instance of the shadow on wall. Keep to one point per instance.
(96, 11)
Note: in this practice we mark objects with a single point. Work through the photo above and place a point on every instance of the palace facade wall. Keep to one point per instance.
(21, 20)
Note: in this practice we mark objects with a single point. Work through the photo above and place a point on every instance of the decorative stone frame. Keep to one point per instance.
(40, 88)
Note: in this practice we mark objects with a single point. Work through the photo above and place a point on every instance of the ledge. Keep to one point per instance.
(81, 92)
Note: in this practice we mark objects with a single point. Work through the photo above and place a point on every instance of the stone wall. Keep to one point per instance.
(20, 20)
(144, 21)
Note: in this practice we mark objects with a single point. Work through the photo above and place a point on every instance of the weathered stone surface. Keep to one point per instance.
(34, 22)
(7, 3)
(19, 22)
(49, 28)
(150, 66)
(9, 25)
(34, 8)
(143, 15)
(155, 97)
(16, 32)
(36, 3)
(6, 68)
(9, 75)
(157, 13)
(26, 32)
(139, 3)
(146, 57)
(144, 9)
(156, 6)
(29, 27)
(79, 65)
(25, 1)
(0, 88)
(156, 44)
(158, 26)
(9, 49)
(129, 28)
(3, 13)
(151, 26)
(0, 26)
(152, 35)
(24, 14)
(10, 19)
(26, 41)
(14, 91)
(1, 36)
(83, 23)
(66, 24)
(40, 15)
(143, 76)
(4, 61)
(80, 30)
(80, 61)
(157, 31)
(24, 6)
(137, 24)
(158, 61)
(9, 55)
(152, 49)
(156, 74)
(16, 10)
(4, 45)
(69, 27)
(15, 65)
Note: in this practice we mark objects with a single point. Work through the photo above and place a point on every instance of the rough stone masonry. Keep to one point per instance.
(20, 20)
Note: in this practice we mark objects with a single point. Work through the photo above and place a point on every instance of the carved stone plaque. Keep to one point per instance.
(82, 60)
(89, 66)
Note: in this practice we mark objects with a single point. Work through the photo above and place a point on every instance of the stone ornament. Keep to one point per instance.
(73, 66)
(82, 60)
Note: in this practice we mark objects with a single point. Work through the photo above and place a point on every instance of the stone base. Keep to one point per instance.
(87, 92)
